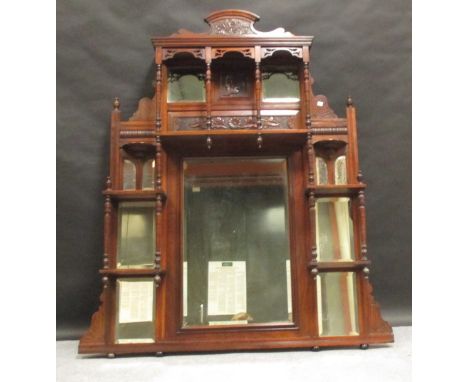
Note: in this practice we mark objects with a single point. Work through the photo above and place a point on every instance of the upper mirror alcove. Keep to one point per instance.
(233, 66)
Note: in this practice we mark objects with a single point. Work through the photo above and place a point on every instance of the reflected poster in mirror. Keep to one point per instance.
(236, 241)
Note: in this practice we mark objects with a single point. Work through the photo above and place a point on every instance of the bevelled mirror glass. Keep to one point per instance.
(148, 175)
(129, 175)
(340, 170)
(280, 87)
(322, 171)
(185, 87)
(136, 235)
(334, 229)
(337, 304)
(135, 310)
(236, 241)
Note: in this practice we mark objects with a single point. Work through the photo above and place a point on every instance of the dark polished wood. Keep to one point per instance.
(233, 121)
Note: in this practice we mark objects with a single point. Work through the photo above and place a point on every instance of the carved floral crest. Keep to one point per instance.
(231, 27)
(234, 22)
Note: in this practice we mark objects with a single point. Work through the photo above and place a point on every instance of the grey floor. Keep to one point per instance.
(383, 363)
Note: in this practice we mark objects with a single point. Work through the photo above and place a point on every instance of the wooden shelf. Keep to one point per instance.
(325, 266)
(334, 189)
(229, 142)
(134, 194)
(131, 272)
(219, 132)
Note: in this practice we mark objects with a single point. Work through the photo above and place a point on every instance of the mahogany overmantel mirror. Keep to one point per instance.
(234, 213)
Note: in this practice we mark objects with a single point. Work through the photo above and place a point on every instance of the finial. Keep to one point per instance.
(259, 141)
(108, 183)
(349, 101)
(360, 177)
(366, 272)
(116, 103)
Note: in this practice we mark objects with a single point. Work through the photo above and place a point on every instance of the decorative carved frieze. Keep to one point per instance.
(174, 76)
(329, 130)
(188, 123)
(289, 75)
(268, 52)
(235, 123)
(246, 52)
(233, 22)
(170, 53)
(137, 134)
(279, 122)
(231, 26)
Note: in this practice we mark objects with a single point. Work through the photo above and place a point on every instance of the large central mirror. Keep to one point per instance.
(236, 257)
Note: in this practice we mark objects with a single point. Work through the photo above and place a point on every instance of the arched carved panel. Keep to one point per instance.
(268, 52)
(246, 52)
(196, 52)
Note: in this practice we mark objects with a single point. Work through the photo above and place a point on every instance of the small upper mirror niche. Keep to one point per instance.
(129, 175)
(236, 268)
(138, 166)
(330, 163)
(280, 78)
(280, 87)
(147, 182)
(185, 79)
(186, 87)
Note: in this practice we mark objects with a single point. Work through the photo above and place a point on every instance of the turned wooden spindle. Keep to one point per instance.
(362, 225)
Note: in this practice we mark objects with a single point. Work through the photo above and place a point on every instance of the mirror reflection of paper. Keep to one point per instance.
(227, 287)
(135, 301)
(135, 340)
(232, 322)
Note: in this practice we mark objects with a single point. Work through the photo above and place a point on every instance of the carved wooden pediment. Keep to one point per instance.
(235, 22)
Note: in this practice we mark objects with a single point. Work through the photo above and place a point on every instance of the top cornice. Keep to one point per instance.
(234, 25)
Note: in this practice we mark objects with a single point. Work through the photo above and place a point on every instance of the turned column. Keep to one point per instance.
(209, 141)
(258, 96)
